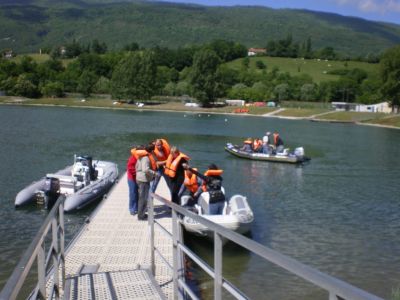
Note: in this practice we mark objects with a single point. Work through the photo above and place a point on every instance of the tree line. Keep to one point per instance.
(201, 72)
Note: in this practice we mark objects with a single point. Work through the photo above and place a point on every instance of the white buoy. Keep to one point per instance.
(226, 120)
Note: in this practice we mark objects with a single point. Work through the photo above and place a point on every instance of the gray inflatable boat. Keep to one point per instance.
(82, 183)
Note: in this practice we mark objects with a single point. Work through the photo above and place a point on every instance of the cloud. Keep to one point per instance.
(373, 6)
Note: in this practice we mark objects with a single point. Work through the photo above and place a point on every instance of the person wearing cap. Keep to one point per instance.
(265, 143)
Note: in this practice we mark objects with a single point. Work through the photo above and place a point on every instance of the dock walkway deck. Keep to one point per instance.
(110, 257)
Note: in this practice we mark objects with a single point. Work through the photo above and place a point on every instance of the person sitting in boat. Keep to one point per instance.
(257, 145)
(247, 145)
(278, 143)
(212, 183)
(191, 187)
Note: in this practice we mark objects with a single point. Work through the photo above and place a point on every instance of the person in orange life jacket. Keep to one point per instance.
(161, 151)
(133, 188)
(247, 145)
(175, 174)
(191, 186)
(257, 145)
(160, 154)
(144, 175)
(212, 180)
(278, 142)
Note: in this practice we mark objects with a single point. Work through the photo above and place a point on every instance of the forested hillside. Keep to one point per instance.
(27, 25)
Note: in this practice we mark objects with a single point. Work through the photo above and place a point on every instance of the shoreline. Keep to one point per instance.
(267, 115)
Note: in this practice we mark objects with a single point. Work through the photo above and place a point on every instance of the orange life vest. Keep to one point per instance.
(172, 164)
(161, 156)
(211, 173)
(248, 142)
(191, 182)
(140, 153)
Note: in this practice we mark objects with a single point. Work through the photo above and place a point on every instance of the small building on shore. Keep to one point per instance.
(382, 107)
(235, 102)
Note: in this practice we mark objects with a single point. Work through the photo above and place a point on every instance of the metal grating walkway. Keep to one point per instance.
(118, 245)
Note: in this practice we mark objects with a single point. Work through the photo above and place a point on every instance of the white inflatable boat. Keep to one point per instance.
(237, 216)
(81, 184)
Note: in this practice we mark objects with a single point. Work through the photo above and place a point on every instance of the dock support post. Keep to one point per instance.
(41, 271)
(55, 253)
(62, 243)
(217, 266)
(175, 238)
(151, 228)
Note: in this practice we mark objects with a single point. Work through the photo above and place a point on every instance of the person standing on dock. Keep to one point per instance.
(144, 175)
(133, 188)
(174, 172)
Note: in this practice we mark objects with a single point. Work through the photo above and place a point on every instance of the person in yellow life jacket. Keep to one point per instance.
(174, 172)
(247, 145)
(212, 183)
(191, 187)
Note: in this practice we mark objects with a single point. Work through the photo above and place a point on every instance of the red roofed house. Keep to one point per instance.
(255, 51)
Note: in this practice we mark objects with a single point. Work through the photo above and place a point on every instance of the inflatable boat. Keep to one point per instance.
(285, 157)
(82, 183)
(237, 215)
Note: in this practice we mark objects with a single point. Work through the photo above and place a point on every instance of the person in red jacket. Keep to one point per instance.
(133, 188)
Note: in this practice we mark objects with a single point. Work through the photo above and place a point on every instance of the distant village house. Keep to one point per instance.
(256, 51)
(8, 53)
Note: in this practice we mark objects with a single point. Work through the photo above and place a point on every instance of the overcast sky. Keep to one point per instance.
(378, 10)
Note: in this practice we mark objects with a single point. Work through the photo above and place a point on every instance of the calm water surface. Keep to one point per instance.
(340, 213)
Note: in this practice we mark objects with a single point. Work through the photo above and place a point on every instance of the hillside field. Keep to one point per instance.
(317, 69)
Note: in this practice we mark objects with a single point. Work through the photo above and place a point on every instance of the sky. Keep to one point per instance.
(376, 10)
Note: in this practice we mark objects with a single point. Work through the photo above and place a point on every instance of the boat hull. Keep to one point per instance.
(237, 217)
(291, 158)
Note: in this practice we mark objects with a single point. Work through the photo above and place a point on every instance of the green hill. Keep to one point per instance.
(27, 25)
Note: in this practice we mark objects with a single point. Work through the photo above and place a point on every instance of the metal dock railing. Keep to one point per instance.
(115, 256)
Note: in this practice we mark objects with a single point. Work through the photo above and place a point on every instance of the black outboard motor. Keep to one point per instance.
(51, 191)
(92, 171)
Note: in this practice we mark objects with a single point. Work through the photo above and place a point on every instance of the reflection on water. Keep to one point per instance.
(339, 213)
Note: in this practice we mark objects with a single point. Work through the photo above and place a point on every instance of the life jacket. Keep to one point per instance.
(191, 182)
(161, 156)
(210, 173)
(172, 164)
(140, 153)
(257, 144)
(276, 137)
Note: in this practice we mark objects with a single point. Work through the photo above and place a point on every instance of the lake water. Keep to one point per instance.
(340, 213)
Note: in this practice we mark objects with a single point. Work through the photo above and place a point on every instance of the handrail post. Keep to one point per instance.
(217, 266)
(54, 254)
(151, 228)
(41, 261)
(175, 251)
(62, 243)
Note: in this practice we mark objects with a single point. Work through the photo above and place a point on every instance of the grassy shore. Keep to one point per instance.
(316, 114)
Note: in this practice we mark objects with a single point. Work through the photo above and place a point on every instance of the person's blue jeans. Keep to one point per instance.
(133, 196)
(216, 208)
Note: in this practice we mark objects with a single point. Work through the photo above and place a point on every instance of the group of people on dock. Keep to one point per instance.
(147, 163)
(271, 143)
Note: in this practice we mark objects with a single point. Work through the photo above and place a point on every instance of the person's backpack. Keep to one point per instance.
(215, 191)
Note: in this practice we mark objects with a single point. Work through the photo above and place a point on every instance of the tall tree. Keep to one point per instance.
(390, 71)
(135, 76)
(204, 76)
